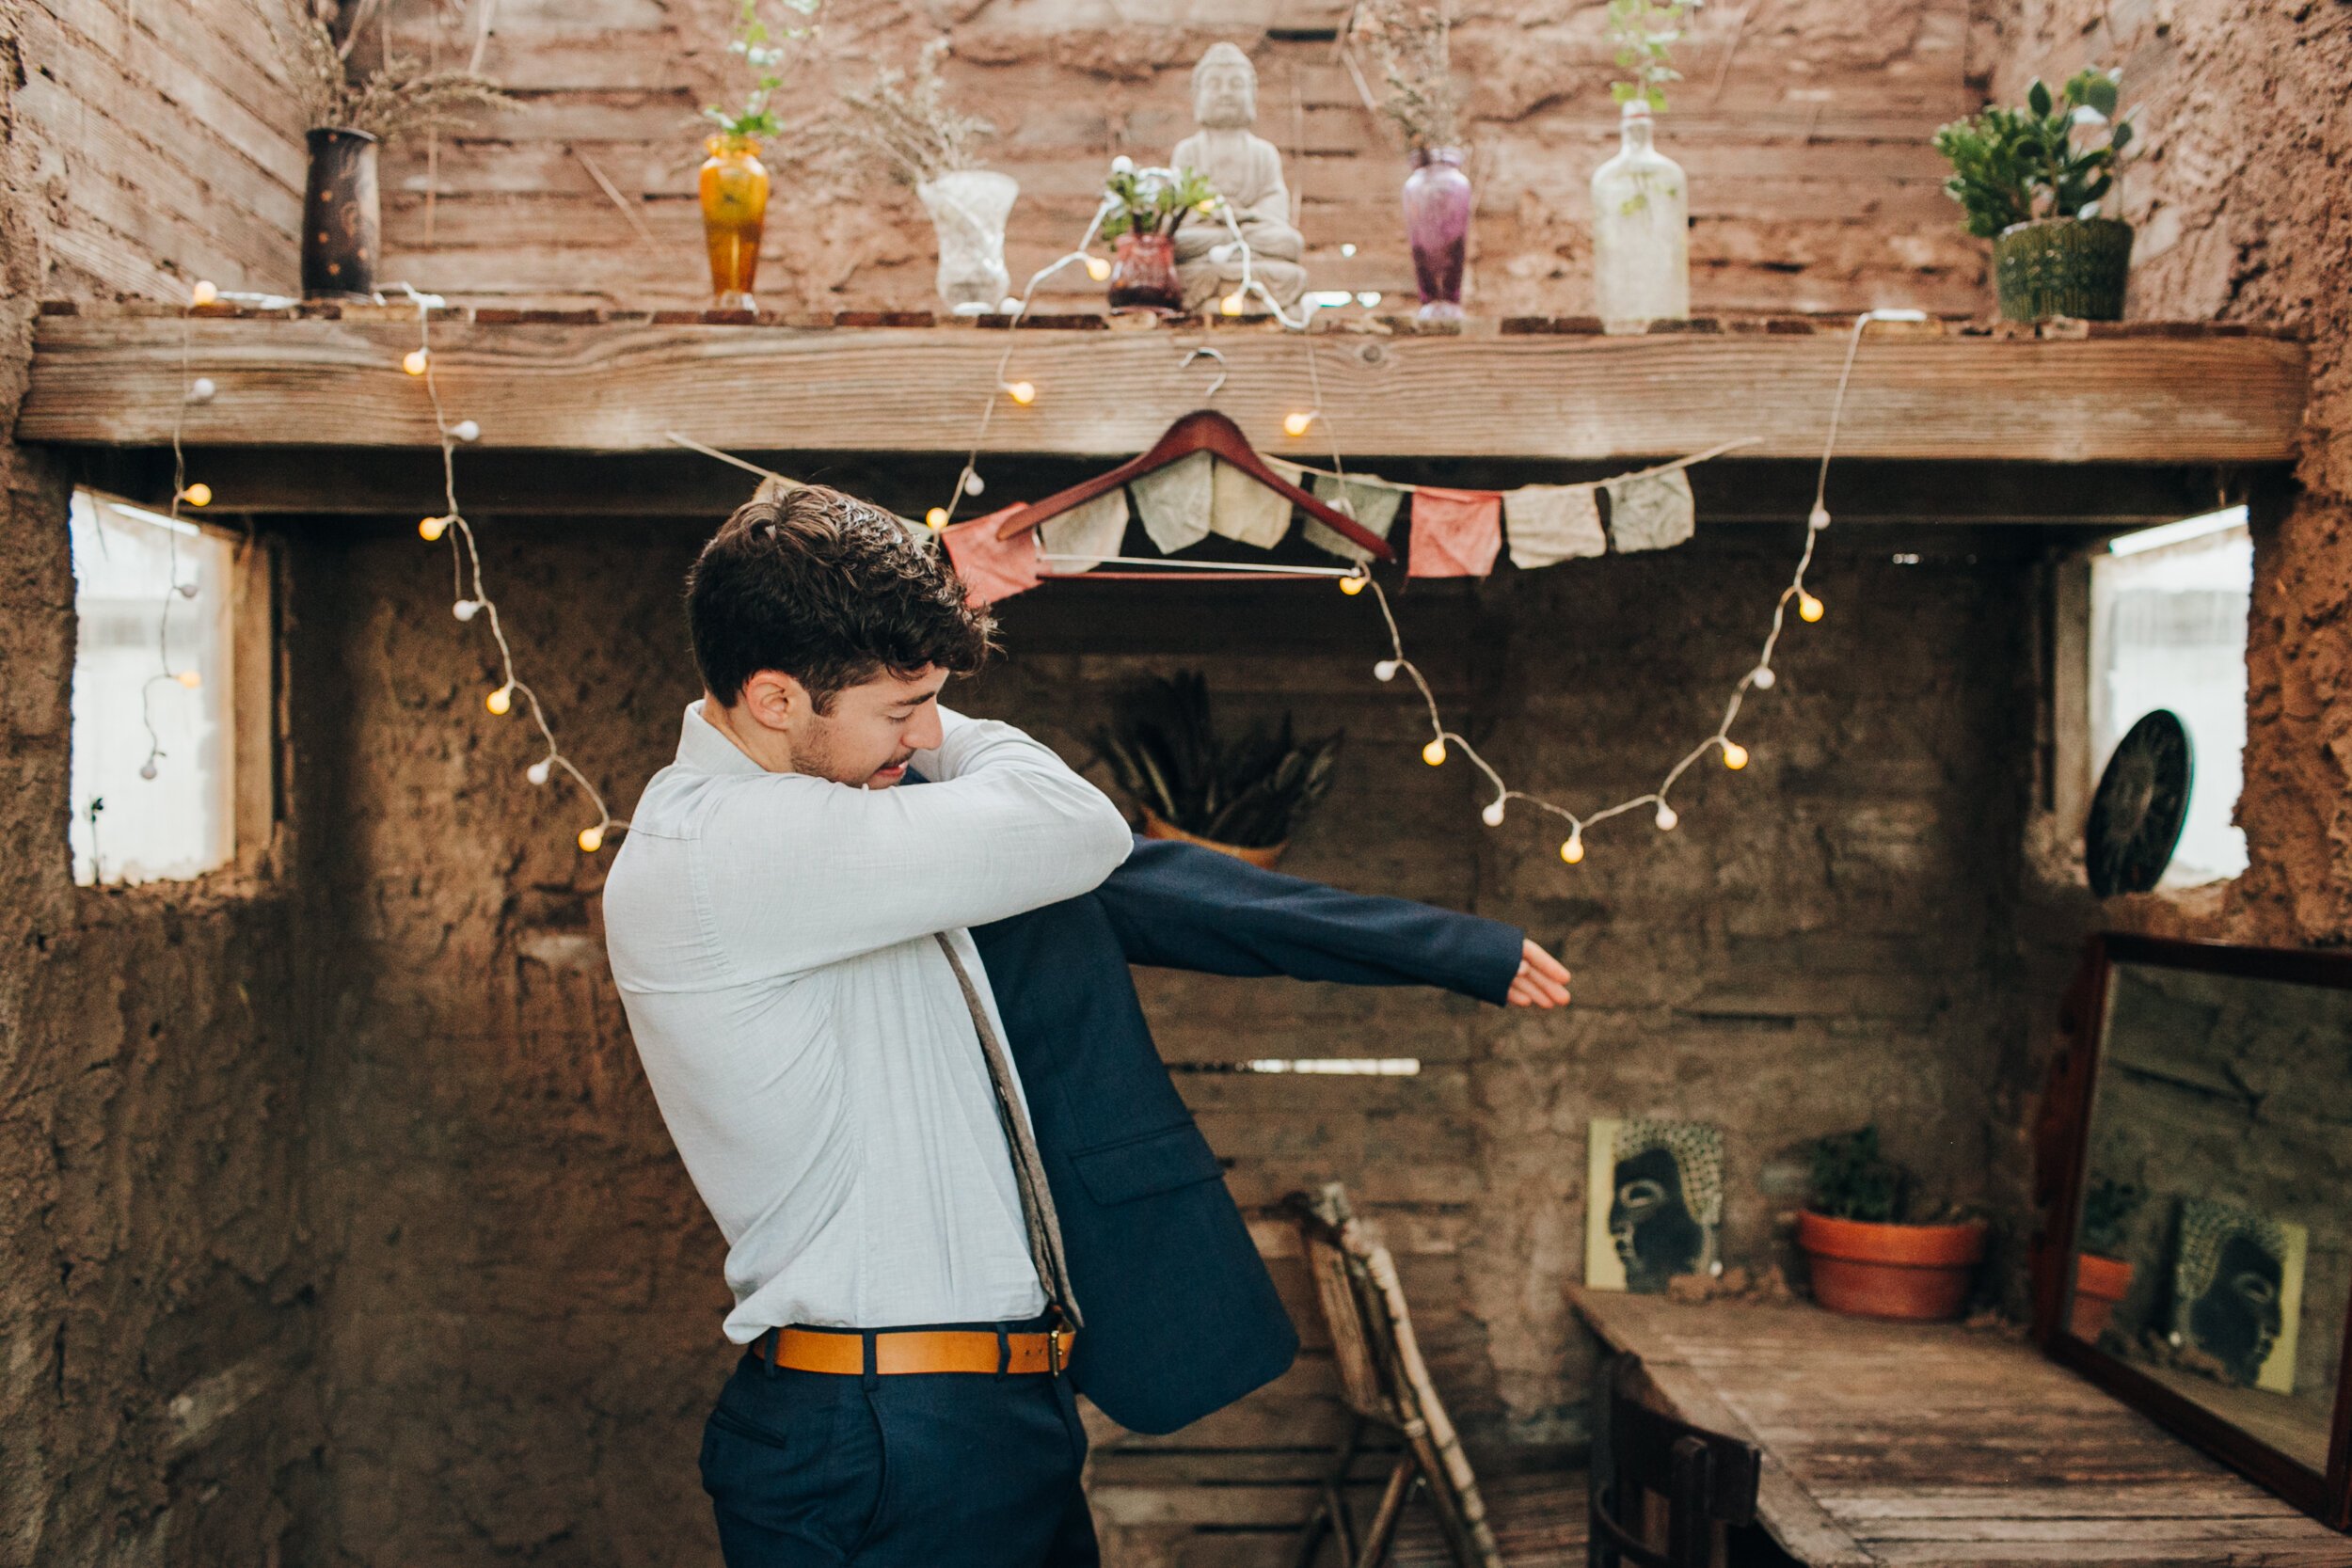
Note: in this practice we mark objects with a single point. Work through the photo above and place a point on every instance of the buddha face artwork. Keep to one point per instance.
(1655, 1204)
(1225, 89)
(2237, 1286)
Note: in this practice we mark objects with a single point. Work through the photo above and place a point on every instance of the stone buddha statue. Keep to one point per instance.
(1246, 170)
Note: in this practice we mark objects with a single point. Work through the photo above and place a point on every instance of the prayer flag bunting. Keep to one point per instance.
(1456, 534)
(1372, 503)
(1087, 533)
(1174, 503)
(992, 568)
(1242, 509)
(1552, 523)
(1650, 514)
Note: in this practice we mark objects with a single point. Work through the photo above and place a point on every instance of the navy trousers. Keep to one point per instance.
(913, 1470)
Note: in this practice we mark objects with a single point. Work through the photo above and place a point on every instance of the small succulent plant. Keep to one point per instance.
(2044, 160)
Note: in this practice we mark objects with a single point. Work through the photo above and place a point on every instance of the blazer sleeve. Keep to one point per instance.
(1178, 905)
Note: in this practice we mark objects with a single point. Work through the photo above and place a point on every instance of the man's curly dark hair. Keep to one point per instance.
(829, 591)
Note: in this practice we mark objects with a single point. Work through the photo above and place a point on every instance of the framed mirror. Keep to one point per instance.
(2197, 1161)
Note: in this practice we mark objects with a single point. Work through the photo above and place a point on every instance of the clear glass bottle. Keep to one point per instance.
(1641, 232)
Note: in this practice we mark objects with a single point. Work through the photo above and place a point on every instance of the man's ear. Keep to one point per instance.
(774, 700)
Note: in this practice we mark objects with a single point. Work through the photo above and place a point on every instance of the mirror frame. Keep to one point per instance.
(2061, 1146)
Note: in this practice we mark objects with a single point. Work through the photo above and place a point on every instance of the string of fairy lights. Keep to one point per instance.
(473, 600)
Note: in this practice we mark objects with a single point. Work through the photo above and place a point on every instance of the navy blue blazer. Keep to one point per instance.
(1180, 1315)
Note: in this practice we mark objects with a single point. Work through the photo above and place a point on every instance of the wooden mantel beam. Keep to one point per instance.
(2164, 396)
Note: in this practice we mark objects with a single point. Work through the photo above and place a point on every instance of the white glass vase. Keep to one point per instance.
(969, 208)
(1641, 232)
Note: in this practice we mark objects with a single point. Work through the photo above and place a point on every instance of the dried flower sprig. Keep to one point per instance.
(904, 123)
(762, 49)
(1411, 45)
(399, 97)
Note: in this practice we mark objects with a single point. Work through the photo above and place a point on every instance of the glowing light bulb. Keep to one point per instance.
(190, 678)
(973, 484)
(147, 770)
(1667, 820)
(1434, 753)
(1761, 677)
(204, 292)
(465, 430)
(502, 700)
(539, 772)
(1735, 755)
(1819, 518)
(1229, 305)
(199, 494)
(936, 518)
(1492, 815)
(1573, 850)
(1347, 250)
(1808, 607)
(201, 389)
(432, 529)
(466, 609)
(1353, 585)
(1385, 670)
(1296, 424)
(1098, 269)
(415, 360)
(591, 840)
(1022, 392)
(187, 590)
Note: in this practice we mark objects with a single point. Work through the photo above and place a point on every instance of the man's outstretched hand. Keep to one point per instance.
(1541, 982)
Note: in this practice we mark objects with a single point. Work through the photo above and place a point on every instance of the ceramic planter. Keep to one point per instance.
(733, 191)
(1891, 1271)
(2062, 267)
(2099, 1284)
(1437, 223)
(1143, 275)
(342, 220)
(1155, 826)
(968, 210)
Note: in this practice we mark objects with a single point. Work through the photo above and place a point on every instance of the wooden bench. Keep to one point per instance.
(1931, 1446)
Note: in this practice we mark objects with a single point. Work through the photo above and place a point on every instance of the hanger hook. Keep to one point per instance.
(1222, 369)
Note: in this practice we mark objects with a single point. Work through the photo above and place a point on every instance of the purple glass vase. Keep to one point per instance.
(1436, 221)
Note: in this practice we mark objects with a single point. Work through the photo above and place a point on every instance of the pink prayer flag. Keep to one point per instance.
(1456, 534)
(992, 568)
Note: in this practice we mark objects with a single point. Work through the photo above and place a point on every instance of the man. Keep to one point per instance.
(788, 935)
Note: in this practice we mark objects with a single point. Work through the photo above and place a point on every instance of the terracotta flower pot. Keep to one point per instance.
(1155, 826)
(2099, 1284)
(1143, 275)
(1890, 1271)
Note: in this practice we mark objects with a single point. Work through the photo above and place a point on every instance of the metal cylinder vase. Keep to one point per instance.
(343, 218)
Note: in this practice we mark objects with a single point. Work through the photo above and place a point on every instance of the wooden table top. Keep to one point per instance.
(1930, 1446)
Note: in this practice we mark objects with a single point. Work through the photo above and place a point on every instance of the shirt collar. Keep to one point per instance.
(703, 747)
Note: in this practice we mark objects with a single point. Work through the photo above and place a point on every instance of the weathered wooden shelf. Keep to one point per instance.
(615, 382)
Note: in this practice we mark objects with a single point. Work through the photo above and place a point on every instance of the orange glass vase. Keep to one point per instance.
(734, 189)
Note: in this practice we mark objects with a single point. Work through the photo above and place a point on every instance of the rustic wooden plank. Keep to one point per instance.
(2222, 1498)
(115, 379)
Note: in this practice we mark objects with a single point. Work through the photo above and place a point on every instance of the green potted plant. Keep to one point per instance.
(2102, 1273)
(1146, 208)
(1866, 1259)
(2033, 180)
(1243, 796)
(348, 114)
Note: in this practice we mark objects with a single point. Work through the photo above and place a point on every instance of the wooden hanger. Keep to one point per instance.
(1203, 430)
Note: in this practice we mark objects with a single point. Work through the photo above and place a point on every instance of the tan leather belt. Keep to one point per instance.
(922, 1350)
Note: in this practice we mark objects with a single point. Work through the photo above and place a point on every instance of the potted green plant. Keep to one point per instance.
(2102, 1273)
(2033, 180)
(903, 124)
(348, 116)
(1146, 206)
(1866, 1259)
(732, 185)
(1243, 796)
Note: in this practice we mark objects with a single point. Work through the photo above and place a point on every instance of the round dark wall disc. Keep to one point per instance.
(2141, 803)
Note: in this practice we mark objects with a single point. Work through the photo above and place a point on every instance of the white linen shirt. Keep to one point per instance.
(772, 938)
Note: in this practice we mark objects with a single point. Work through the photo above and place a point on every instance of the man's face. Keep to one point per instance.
(872, 730)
